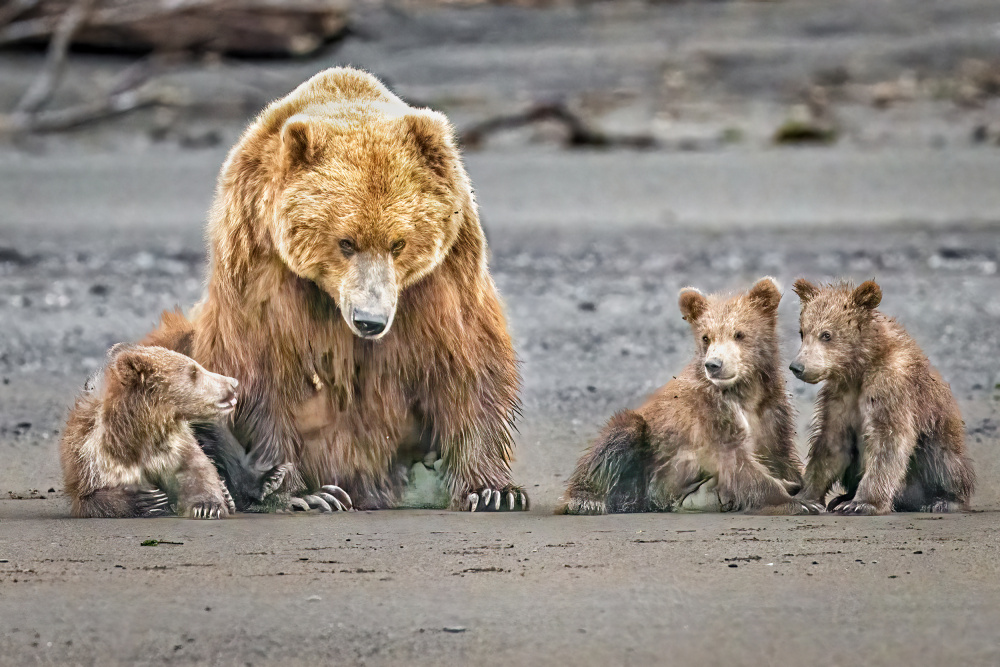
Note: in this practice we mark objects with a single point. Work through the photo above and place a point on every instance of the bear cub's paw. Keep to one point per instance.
(229, 500)
(941, 506)
(583, 506)
(152, 502)
(211, 508)
(795, 507)
(859, 508)
(273, 480)
(842, 499)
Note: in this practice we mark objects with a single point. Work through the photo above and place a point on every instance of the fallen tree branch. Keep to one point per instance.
(80, 114)
(125, 94)
(44, 85)
(578, 133)
(15, 8)
(260, 27)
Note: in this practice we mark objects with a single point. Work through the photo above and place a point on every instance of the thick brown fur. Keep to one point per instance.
(128, 449)
(886, 425)
(338, 202)
(725, 419)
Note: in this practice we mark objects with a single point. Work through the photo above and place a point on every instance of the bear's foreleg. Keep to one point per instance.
(200, 492)
(777, 446)
(121, 503)
(612, 475)
(832, 448)
(476, 466)
(252, 489)
(888, 445)
(745, 484)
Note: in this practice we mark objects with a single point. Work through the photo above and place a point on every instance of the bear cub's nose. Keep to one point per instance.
(797, 368)
(369, 324)
(713, 366)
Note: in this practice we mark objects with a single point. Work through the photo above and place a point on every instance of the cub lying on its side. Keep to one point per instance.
(128, 449)
(725, 419)
(886, 424)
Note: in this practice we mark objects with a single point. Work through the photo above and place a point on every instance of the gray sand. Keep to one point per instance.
(102, 230)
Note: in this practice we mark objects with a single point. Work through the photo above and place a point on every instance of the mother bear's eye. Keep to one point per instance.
(347, 247)
(397, 247)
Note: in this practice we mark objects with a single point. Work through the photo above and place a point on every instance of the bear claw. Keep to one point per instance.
(206, 510)
(329, 499)
(298, 505)
(315, 502)
(274, 479)
(153, 502)
(492, 500)
(810, 507)
(857, 508)
(340, 495)
(229, 500)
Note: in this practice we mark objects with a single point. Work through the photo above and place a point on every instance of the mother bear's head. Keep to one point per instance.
(351, 189)
(366, 208)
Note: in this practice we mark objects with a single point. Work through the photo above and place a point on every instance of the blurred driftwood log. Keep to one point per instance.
(236, 27)
(171, 31)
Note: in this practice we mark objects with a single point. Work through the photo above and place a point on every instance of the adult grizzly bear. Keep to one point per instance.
(349, 294)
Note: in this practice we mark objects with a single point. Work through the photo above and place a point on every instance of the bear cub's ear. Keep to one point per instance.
(692, 303)
(805, 290)
(132, 368)
(766, 294)
(867, 295)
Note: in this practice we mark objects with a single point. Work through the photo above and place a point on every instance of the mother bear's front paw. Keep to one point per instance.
(330, 498)
(507, 499)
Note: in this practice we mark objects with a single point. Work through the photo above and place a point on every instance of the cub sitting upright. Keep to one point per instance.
(128, 449)
(886, 425)
(724, 419)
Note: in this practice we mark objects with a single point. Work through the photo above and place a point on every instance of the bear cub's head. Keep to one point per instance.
(366, 208)
(736, 337)
(170, 384)
(832, 325)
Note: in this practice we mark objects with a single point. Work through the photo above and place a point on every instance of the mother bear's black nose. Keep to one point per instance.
(369, 324)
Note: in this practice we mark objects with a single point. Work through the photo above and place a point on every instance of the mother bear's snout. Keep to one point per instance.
(369, 324)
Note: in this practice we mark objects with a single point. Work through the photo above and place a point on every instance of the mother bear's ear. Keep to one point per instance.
(432, 137)
(302, 142)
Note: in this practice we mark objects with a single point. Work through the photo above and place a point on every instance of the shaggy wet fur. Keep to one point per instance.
(340, 203)
(724, 419)
(886, 425)
(128, 449)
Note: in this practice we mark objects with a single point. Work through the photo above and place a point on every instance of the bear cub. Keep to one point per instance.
(725, 421)
(886, 425)
(128, 449)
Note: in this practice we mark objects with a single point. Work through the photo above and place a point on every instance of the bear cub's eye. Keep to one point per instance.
(739, 335)
(704, 338)
(397, 247)
(347, 247)
(194, 372)
(826, 336)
